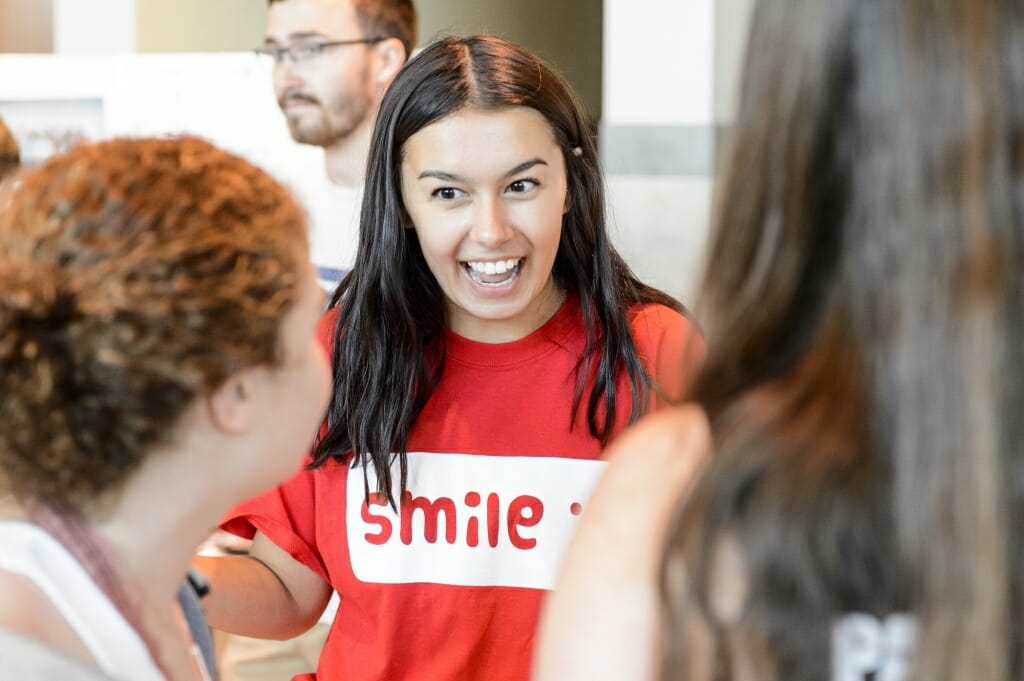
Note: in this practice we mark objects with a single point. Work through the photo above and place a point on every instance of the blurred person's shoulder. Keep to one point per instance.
(26, 658)
(654, 462)
(651, 467)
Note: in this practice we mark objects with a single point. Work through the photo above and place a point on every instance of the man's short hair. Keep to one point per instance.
(385, 19)
(10, 158)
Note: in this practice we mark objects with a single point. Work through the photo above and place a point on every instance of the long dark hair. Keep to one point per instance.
(389, 341)
(863, 306)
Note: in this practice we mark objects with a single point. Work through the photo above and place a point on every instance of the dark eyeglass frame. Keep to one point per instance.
(312, 49)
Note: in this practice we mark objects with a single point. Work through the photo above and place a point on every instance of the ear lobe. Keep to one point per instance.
(228, 406)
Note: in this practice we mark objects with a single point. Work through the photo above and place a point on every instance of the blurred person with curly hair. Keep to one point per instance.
(10, 156)
(158, 352)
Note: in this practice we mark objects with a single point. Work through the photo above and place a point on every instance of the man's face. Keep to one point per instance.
(325, 97)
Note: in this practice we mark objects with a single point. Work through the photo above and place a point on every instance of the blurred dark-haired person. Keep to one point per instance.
(333, 60)
(158, 311)
(859, 407)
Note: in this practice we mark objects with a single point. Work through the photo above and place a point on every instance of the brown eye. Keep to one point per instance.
(447, 193)
(521, 186)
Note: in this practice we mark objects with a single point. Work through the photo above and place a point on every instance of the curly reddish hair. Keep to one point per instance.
(135, 276)
(10, 157)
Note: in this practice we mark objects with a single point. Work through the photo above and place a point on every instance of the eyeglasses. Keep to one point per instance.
(305, 52)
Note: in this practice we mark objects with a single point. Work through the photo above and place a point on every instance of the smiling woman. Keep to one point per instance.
(487, 345)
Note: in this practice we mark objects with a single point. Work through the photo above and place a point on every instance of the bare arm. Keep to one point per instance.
(601, 620)
(267, 594)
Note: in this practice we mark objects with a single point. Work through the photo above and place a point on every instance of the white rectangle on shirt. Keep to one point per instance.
(442, 537)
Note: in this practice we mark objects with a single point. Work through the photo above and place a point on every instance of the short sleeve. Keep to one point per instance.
(286, 515)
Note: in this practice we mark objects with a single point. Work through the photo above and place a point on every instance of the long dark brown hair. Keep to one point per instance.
(864, 314)
(389, 350)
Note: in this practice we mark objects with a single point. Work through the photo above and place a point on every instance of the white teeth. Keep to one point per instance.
(492, 267)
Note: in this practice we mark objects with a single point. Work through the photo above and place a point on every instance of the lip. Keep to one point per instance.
(296, 103)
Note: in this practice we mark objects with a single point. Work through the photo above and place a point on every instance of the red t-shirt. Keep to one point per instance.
(449, 588)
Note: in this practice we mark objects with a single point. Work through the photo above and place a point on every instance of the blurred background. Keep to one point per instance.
(658, 79)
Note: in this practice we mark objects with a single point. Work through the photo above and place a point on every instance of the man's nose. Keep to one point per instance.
(286, 77)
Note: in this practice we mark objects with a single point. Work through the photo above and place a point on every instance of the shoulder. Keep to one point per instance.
(655, 316)
(650, 466)
(27, 658)
(654, 326)
(662, 437)
(670, 345)
(28, 611)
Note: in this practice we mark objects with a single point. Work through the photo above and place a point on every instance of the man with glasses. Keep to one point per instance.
(333, 60)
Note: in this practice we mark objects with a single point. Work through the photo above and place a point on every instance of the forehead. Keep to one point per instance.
(330, 18)
(474, 141)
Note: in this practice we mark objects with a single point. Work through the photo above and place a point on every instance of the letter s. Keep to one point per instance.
(376, 499)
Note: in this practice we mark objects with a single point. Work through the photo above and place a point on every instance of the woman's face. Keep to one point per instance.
(486, 191)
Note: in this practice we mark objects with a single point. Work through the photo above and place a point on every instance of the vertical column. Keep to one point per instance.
(657, 135)
(94, 27)
(732, 23)
(658, 61)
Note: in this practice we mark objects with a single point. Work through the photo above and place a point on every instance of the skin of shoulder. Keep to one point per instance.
(25, 609)
(601, 620)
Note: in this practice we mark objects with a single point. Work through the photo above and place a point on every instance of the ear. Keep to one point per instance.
(229, 406)
(391, 57)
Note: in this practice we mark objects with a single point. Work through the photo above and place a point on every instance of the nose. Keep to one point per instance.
(491, 226)
(285, 76)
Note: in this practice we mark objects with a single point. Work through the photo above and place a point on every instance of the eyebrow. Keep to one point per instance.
(449, 177)
(301, 35)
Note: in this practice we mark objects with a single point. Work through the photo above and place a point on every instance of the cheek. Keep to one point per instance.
(547, 225)
(434, 234)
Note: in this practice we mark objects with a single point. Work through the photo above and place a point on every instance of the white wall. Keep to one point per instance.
(658, 61)
(94, 27)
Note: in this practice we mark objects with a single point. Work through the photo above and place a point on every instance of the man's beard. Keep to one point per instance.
(323, 129)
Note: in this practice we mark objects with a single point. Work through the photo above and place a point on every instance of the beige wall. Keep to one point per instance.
(566, 33)
(199, 25)
(26, 25)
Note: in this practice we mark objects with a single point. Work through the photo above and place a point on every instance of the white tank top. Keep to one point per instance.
(27, 550)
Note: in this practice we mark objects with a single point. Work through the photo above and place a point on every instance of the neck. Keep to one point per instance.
(345, 158)
(154, 528)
